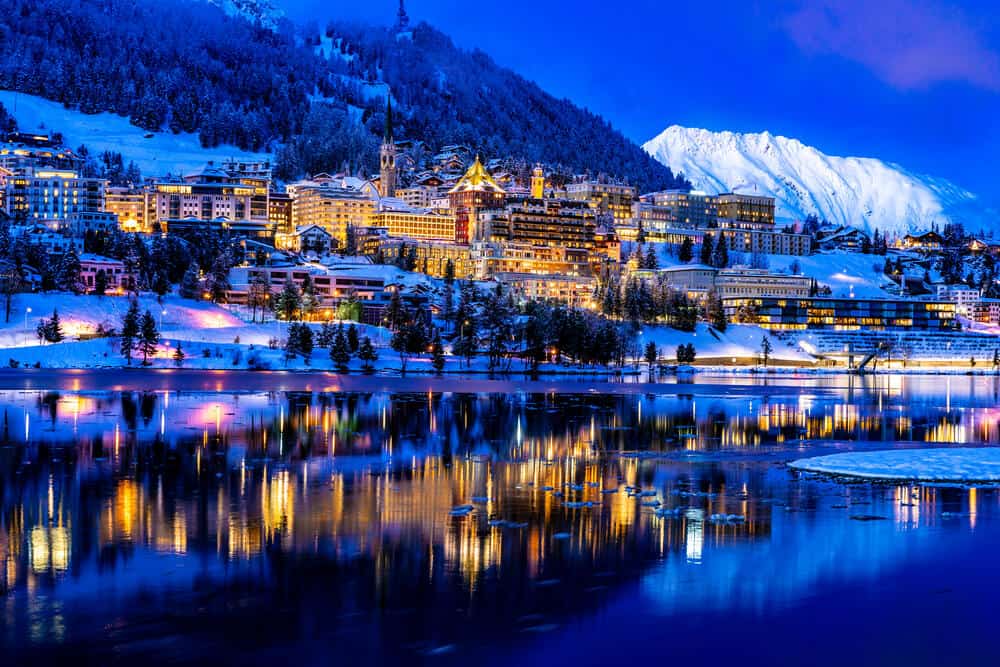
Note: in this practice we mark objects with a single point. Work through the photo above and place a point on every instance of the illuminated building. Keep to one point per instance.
(748, 211)
(928, 241)
(335, 204)
(129, 204)
(475, 191)
(5, 174)
(114, 271)
(403, 221)
(23, 152)
(329, 286)
(614, 198)
(492, 258)
(52, 194)
(556, 222)
(432, 256)
(419, 196)
(576, 291)
(259, 230)
(986, 311)
(210, 195)
(741, 240)
(537, 183)
(742, 282)
(676, 209)
(965, 298)
(309, 238)
(842, 314)
(695, 280)
(279, 212)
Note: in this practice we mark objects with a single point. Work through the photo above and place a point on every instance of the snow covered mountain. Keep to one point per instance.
(863, 192)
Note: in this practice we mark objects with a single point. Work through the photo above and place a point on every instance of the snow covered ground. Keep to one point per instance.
(164, 153)
(739, 341)
(928, 465)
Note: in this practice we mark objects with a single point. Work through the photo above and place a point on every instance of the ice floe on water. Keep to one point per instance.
(927, 465)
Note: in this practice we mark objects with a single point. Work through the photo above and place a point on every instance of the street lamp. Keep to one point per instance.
(162, 313)
(27, 311)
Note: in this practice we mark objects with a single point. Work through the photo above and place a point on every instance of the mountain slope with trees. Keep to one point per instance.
(187, 66)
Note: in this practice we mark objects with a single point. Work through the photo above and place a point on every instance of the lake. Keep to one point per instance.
(232, 518)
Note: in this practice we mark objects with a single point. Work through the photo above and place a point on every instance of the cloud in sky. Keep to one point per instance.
(910, 44)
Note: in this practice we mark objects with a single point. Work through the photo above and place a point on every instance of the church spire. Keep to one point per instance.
(402, 20)
(387, 157)
(388, 122)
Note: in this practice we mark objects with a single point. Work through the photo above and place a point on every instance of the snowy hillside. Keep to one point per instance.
(863, 192)
(161, 154)
(256, 11)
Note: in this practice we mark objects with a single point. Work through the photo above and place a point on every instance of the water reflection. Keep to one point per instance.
(117, 506)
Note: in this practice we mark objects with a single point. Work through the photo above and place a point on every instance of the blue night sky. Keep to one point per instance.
(910, 81)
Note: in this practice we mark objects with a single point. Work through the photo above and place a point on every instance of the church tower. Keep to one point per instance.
(538, 183)
(387, 157)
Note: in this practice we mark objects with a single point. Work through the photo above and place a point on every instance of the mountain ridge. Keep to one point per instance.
(858, 191)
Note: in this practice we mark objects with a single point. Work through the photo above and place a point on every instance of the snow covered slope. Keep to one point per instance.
(863, 192)
(256, 11)
(163, 153)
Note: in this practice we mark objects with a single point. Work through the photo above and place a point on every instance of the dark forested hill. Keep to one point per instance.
(186, 66)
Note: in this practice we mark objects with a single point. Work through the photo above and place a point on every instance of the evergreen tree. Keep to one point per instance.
(11, 282)
(287, 302)
(305, 344)
(395, 314)
(367, 353)
(68, 273)
(190, 287)
(50, 330)
(130, 331)
(339, 352)
(179, 356)
(258, 294)
(219, 284)
(409, 339)
(326, 335)
(651, 262)
(437, 353)
(100, 282)
(686, 252)
(765, 350)
(651, 355)
(55, 332)
(308, 301)
(715, 314)
(707, 250)
(720, 254)
(292, 339)
(352, 338)
(148, 337)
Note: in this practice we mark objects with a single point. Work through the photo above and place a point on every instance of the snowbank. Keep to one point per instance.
(929, 465)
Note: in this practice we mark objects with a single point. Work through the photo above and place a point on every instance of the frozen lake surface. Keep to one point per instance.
(255, 518)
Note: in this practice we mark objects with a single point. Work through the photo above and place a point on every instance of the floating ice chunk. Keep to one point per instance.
(958, 464)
